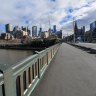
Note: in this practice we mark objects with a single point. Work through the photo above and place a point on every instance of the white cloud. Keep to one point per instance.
(39, 11)
(84, 16)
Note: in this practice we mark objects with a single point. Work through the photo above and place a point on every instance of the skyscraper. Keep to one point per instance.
(75, 28)
(40, 31)
(93, 31)
(92, 26)
(34, 31)
(54, 29)
(28, 31)
(9, 28)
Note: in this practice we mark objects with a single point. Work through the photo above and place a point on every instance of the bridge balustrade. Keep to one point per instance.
(2, 91)
(20, 79)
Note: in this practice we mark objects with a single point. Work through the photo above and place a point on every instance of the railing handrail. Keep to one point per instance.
(18, 64)
(39, 61)
(1, 79)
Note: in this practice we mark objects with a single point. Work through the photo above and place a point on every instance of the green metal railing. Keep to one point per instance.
(21, 79)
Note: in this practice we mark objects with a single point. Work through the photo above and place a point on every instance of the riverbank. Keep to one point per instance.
(20, 47)
(36, 45)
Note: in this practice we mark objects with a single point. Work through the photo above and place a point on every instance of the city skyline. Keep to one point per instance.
(60, 12)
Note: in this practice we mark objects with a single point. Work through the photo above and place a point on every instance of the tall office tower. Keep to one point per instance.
(92, 26)
(54, 29)
(28, 31)
(9, 28)
(34, 31)
(40, 31)
(75, 28)
(83, 30)
(93, 31)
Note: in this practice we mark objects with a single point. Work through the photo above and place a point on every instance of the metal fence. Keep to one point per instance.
(21, 79)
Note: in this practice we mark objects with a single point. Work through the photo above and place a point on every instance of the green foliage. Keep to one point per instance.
(37, 43)
(50, 42)
(44, 43)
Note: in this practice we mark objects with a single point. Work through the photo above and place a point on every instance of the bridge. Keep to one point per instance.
(61, 70)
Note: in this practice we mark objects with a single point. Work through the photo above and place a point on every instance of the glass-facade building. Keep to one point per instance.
(93, 30)
(93, 26)
(54, 29)
(34, 31)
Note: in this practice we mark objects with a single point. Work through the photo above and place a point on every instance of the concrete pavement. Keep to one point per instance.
(71, 73)
(87, 45)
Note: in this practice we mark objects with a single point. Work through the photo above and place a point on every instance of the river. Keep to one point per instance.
(8, 56)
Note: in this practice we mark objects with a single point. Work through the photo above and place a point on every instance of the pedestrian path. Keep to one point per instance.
(87, 45)
(71, 73)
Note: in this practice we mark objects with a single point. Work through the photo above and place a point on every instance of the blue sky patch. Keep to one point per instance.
(53, 0)
(70, 10)
(66, 19)
(25, 19)
(2, 28)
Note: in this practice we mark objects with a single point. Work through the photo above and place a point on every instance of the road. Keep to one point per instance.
(71, 73)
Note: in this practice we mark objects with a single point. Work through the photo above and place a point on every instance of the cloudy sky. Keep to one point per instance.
(38, 12)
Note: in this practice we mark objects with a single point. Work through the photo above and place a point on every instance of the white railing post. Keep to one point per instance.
(9, 82)
(47, 58)
(38, 64)
(2, 90)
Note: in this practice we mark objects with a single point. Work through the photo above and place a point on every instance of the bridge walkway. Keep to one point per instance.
(71, 73)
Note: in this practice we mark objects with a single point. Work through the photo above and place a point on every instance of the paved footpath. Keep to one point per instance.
(88, 45)
(71, 73)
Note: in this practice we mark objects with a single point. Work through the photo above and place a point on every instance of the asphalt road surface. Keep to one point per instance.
(71, 73)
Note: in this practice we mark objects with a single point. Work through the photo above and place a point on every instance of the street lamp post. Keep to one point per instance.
(73, 30)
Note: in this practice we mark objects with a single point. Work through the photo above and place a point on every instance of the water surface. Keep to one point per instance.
(8, 56)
